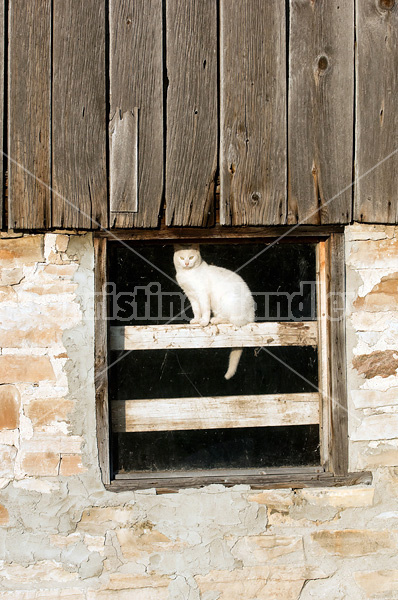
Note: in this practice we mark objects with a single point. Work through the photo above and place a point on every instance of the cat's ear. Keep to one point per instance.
(178, 247)
(195, 247)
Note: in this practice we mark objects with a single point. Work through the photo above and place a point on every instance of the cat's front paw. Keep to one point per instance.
(194, 321)
(203, 322)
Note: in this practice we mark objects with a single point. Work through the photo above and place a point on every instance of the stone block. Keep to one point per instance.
(44, 442)
(381, 254)
(7, 461)
(71, 464)
(9, 407)
(382, 297)
(375, 398)
(262, 549)
(356, 542)
(280, 500)
(378, 584)
(134, 542)
(11, 276)
(61, 243)
(4, 516)
(381, 363)
(40, 572)
(21, 251)
(40, 464)
(25, 369)
(47, 411)
(354, 497)
(124, 581)
(377, 427)
(7, 294)
(96, 519)
(257, 583)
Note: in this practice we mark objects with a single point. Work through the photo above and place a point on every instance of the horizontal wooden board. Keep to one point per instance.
(161, 337)
(170, 414)
(284, 478)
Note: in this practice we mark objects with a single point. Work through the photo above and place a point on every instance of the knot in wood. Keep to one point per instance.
(387, 4)
(255, 197)
(323, 63)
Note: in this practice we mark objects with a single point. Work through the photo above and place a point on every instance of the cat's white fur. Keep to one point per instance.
(217, 295)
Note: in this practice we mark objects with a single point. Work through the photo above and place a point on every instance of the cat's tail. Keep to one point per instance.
(234, 359)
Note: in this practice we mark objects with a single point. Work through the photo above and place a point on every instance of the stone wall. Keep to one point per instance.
(63, 536)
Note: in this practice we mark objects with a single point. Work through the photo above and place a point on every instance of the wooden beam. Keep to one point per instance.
(321, 111)
(219, 234)
(136, 112)
(192, 121)
(253, 112)
(337, 400)
(158, 337)
(29, 141)
(101, 359)
(276, 479)
(165, 414)
(79, 108)
(376, 199)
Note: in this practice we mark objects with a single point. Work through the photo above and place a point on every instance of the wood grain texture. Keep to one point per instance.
(376, 199)
(101, 359)
(321, 105)
(164, 414)
(123, 172)
(2, 106)
(323, 289)
(337, 400)
(157, 337)
(223, 234)
(271, 479)
(80, 196)
(136, 81)
(253, 113)
(29, 142)
(192, 123)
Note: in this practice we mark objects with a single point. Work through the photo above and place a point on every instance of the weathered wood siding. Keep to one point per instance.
(136, 112)
(80, 195)
(2, 31)
(377, 115)
(29, 144)
(321, 106)
(253, 112)
(126, 113)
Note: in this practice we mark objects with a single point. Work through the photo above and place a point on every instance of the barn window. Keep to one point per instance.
(174, 420)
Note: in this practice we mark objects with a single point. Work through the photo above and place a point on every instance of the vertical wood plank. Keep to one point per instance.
(376, 199)
(2, 106)
(338, 424)
(79, 115)
(136, 82)
(192, 124)
(101, 358)
(321, 107)
(253, 113)
(29, 144)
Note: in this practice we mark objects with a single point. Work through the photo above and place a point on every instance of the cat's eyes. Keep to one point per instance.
(191, 257)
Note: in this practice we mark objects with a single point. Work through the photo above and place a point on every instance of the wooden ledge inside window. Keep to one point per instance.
(274, 478)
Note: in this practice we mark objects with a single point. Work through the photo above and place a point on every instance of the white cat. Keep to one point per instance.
(214, 291)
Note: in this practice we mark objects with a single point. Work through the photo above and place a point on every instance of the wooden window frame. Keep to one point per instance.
(333, 468)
